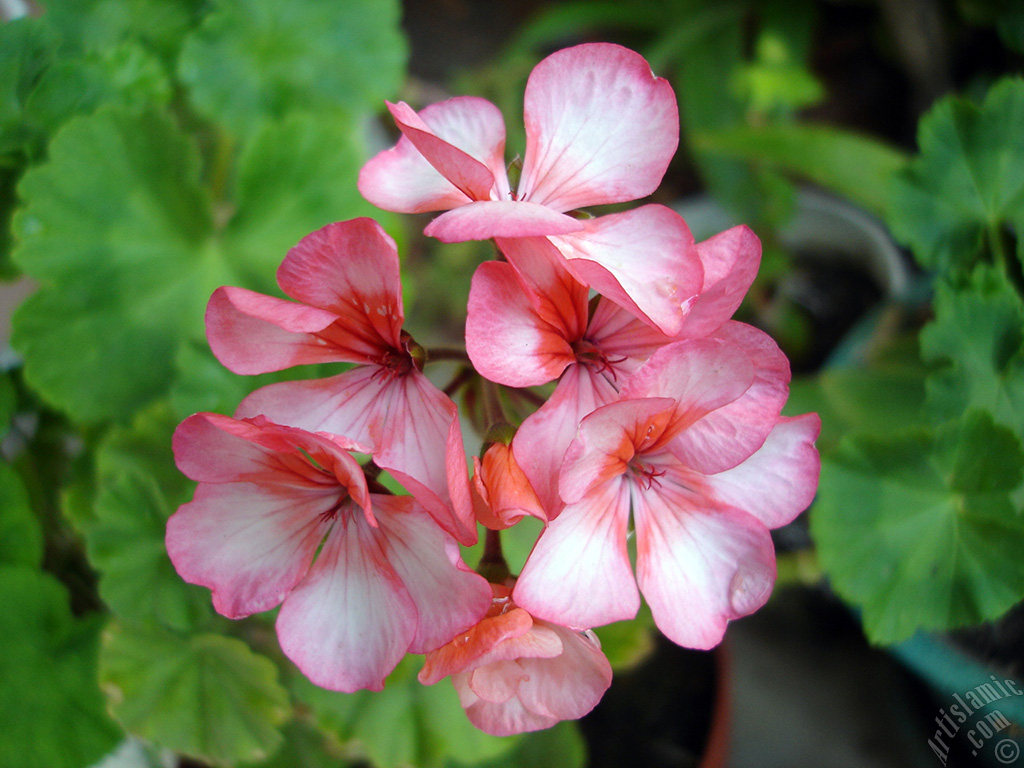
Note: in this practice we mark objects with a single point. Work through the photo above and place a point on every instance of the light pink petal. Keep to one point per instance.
(579, 574)
(625, 340)
(700, 375)
(571, 685)
(600, 128)
(212, 448)
(539, 643)
(252, 333)
(504, 719)
(541, 441)
(463, 650)
(351, 269)
(339, 405)
(607, 440)
(498, 681)
(731, 260)
(778, 482)
(645, 260)
(557, 296)
(409, 425)
(449, 597)
(499, 218)
(507, 339)
(351, 620)
(421, 445)
(699, 564)
(400, 179)
(246, 543)
(468, 174)
(730, 434)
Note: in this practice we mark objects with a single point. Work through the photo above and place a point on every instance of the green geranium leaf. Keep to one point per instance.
(854, 166)
(115, 228)
(54, 715)
(208, 696)
(137, 488)
(96, 25)
(560, 746)
(27, 47)
(119, 231)
(21, 537)
(919, 528)
(252, 59)
(967, 187)
(978, 336)
(405, 724)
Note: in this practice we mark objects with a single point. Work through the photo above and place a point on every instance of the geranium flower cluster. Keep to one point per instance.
(664, 422)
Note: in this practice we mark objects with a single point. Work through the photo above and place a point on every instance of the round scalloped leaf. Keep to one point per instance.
(54, 715)
(252, 59)
(21, 537)
(919, 529)
(966, 189)
(208, 696)
(113, 228)
(405, 724)
(978, 332)
(117, 229)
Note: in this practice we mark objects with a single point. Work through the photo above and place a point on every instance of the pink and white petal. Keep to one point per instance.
(624, 339)
(645, 260)
(247, 543)
(579, 574)
(569, 686)
(340, 405)
(699, 564)
(418, 440)
(213, 448)
(507, 340)
(600, 128)
(470, 176)
(541, 441)
(499, 218)
(251, 333)
(607, 441)
(449, 597)
(728, 435)
(700, 375)
(350, 620)
(497, 681)
(463, 651)
(731, 260)
(400, 179)
(779, 481)
(475, 126)
(557, 296)
(351, 269)
(505, 719)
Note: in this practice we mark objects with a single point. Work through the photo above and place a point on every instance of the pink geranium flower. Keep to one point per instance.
(515, 673)
(528, 326)
(601, 129)
(706, 470)
(282, 516)
(346, 278)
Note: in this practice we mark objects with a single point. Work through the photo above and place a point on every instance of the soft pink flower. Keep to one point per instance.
(282, 516)
(346, 276)
(697, 450)
(601, 129)
(515, 673)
